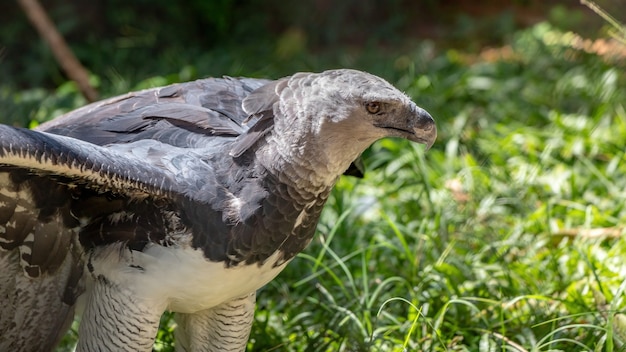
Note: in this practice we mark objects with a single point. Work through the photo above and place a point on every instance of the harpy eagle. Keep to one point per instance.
(186, 198)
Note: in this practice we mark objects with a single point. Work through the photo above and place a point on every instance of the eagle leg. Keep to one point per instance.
(116, 320)
(225, 327)
(23, 326)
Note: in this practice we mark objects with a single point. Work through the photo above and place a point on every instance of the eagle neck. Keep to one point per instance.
(307, 173)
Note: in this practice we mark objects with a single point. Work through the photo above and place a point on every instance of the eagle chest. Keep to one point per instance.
(267, 218)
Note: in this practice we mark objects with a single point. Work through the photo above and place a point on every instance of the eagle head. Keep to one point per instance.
(324, 121)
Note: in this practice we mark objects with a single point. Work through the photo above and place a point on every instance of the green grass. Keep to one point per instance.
(474, 245)
(468, 247)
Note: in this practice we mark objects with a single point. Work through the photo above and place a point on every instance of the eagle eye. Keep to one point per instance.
(373, 107)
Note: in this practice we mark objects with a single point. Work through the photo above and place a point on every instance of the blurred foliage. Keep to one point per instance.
(126, 45)
(123, 43)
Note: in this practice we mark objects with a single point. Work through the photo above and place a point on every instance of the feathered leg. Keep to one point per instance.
(222, 328)
(116, 320)
(33, 315)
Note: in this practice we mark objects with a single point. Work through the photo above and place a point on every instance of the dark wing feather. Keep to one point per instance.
(259, 105)
(47, 184)
(262, 125)
(183, 115)
(64, 157)
(263, 98)
(180, 114)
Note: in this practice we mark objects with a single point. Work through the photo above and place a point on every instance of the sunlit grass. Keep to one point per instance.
(483, 243)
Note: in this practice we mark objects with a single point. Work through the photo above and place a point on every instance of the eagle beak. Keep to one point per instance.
(423, 126)
(415, 124)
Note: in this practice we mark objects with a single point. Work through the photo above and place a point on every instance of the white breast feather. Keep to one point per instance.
(181, 279)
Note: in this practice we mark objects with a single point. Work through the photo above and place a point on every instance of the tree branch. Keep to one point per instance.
(62, 53)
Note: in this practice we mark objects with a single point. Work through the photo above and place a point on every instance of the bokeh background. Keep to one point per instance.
(124, 43)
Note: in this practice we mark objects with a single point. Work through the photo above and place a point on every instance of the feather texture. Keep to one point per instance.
(187, 197)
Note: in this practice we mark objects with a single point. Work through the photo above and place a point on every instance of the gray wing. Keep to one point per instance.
(50, 181)
(118, 162)
(182, 115)
(57, 194)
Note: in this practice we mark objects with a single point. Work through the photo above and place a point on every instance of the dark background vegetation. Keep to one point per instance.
(123, 42)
